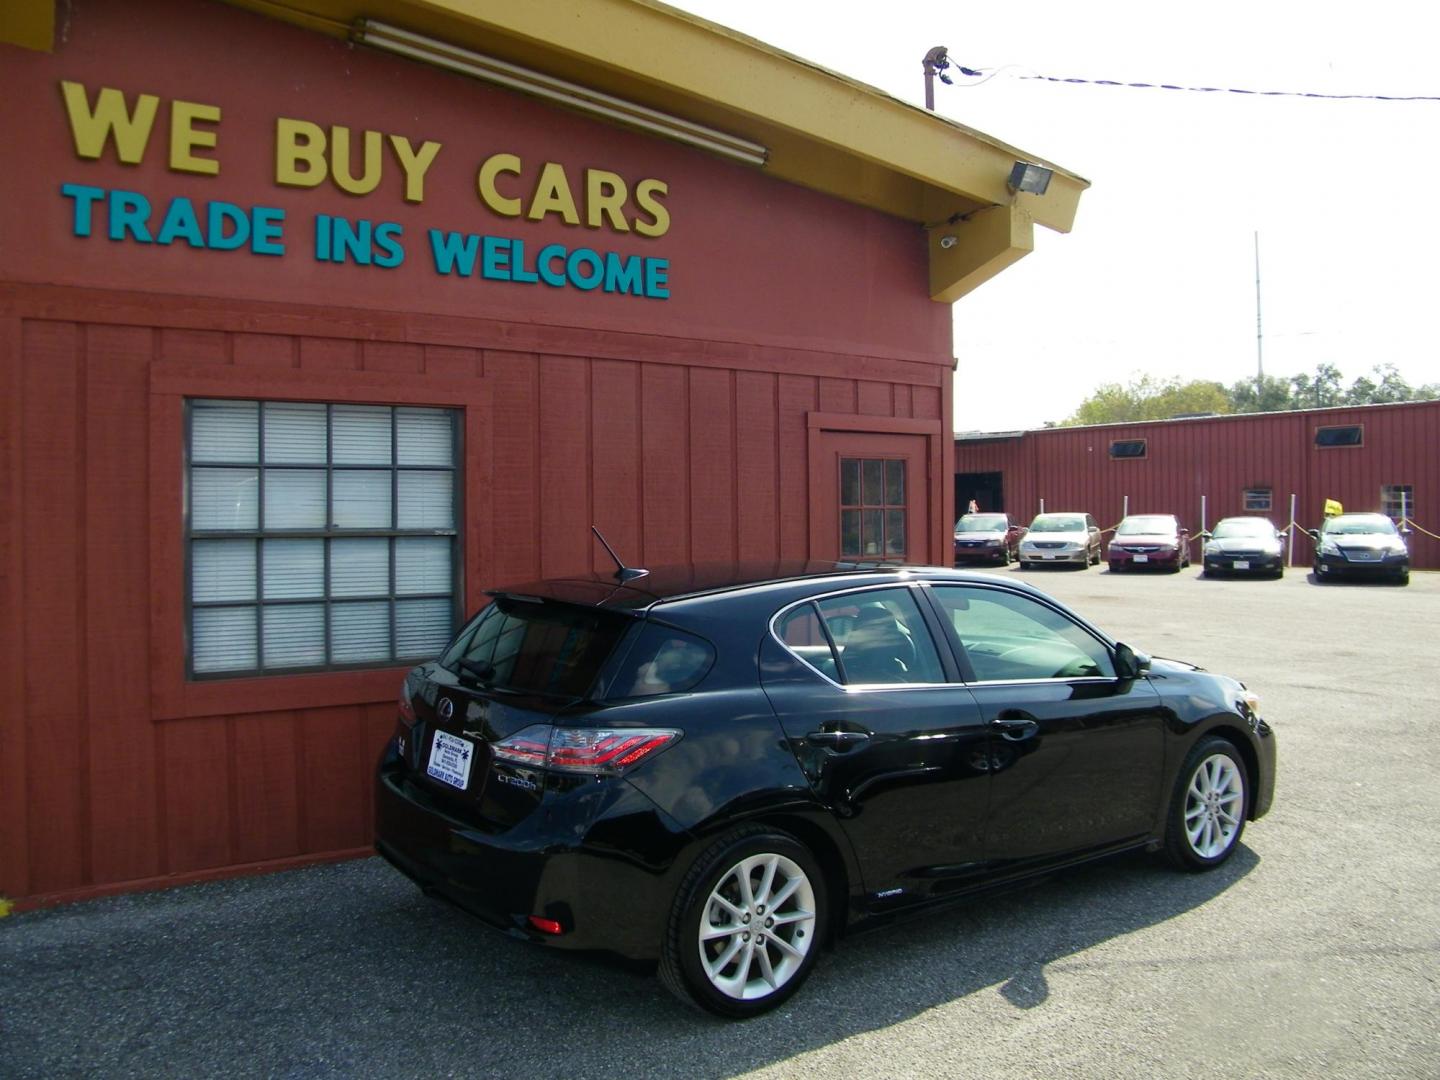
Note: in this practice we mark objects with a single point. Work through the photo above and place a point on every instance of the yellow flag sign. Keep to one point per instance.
(1332, 508)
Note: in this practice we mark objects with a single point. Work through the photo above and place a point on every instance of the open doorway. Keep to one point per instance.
(986, 489)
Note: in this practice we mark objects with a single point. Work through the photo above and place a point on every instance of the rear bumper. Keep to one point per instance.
(603, 898)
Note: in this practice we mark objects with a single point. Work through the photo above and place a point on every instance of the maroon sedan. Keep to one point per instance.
(1149, 541)
(987, 538)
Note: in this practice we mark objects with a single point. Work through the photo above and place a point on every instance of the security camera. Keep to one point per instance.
(947, 242)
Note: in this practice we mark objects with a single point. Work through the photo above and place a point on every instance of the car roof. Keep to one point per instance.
(667, 584)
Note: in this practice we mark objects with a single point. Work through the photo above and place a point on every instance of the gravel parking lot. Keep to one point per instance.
(1314, 952)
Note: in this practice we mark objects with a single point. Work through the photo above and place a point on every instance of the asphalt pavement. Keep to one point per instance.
(1314, 952)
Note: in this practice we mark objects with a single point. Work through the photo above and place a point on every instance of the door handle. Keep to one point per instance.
(838, 739)
(1015, 729)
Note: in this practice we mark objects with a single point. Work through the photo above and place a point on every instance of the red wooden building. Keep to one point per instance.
(1374, 457)
(312, 328)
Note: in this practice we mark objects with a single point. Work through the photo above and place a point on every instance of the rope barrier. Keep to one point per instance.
(1410, 522)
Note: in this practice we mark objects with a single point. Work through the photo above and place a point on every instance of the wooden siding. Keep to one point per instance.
(116, 773)
(1219, 458)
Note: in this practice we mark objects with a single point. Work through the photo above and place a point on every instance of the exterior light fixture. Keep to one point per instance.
(1026, 176)
(571, 95)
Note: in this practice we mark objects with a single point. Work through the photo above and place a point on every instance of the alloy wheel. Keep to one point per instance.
(1214, 806)
(757, 926)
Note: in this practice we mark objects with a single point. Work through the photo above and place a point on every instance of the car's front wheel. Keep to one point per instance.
(1208, 808)
(745, 928)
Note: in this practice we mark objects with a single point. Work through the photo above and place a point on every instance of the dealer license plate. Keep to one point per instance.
(450, 759)
(1242, 564)
(1142, 558)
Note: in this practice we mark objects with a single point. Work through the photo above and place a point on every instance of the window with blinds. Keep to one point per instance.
(319, 536)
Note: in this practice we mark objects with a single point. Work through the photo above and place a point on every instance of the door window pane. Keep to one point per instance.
(800, 632)
(882, 638)
(1007, 636)
(894, 483)
(872, 508)
(850, 482)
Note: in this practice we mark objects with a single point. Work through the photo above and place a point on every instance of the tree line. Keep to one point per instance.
(1149, 398)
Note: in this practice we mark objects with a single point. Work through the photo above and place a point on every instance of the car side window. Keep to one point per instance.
(881, 638)
(800, 632)
(1009, 636)
(663, 660)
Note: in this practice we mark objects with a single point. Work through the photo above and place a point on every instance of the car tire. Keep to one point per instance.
(1114, 568)
(1209, 806)
(714, 961)
(1024, 565)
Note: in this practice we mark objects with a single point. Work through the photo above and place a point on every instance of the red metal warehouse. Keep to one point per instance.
(317, 319)
(1369, 458)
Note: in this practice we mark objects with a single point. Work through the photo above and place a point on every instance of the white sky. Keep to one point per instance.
(1158, 275)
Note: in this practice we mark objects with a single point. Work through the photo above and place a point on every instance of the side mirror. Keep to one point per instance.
(1314, 534)
(1204, 534)
(1128, 663)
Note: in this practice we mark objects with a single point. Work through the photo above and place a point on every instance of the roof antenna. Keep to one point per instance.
(623, 573)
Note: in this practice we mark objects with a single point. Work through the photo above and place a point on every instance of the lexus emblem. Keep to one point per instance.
(447, 708)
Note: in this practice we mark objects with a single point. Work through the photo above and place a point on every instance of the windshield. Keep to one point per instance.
(536, 646)
(1232, 528)
(1058, 523)
(1148, 524)
(981, 523)
(1359, 524)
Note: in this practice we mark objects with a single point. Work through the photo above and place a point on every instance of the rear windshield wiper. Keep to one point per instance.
(477, 671)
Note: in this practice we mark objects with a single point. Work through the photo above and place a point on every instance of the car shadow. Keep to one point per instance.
(348, 970)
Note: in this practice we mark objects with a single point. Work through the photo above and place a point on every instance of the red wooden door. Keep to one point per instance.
(871, 498)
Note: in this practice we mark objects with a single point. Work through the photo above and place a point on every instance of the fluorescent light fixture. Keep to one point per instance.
(571, 95)
(1026, 176)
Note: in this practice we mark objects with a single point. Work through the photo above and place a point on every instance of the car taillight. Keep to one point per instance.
(594, 751)
(407, 710)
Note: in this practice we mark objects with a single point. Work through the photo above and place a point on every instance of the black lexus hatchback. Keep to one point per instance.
(723, 769)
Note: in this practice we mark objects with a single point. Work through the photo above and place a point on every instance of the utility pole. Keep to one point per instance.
(1259, 337)
(935, 63)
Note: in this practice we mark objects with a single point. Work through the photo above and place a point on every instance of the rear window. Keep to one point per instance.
(536, 646)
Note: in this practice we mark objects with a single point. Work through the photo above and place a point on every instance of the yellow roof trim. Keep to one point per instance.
(28, 23)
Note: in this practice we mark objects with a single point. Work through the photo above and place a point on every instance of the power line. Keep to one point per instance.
(986, 74)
